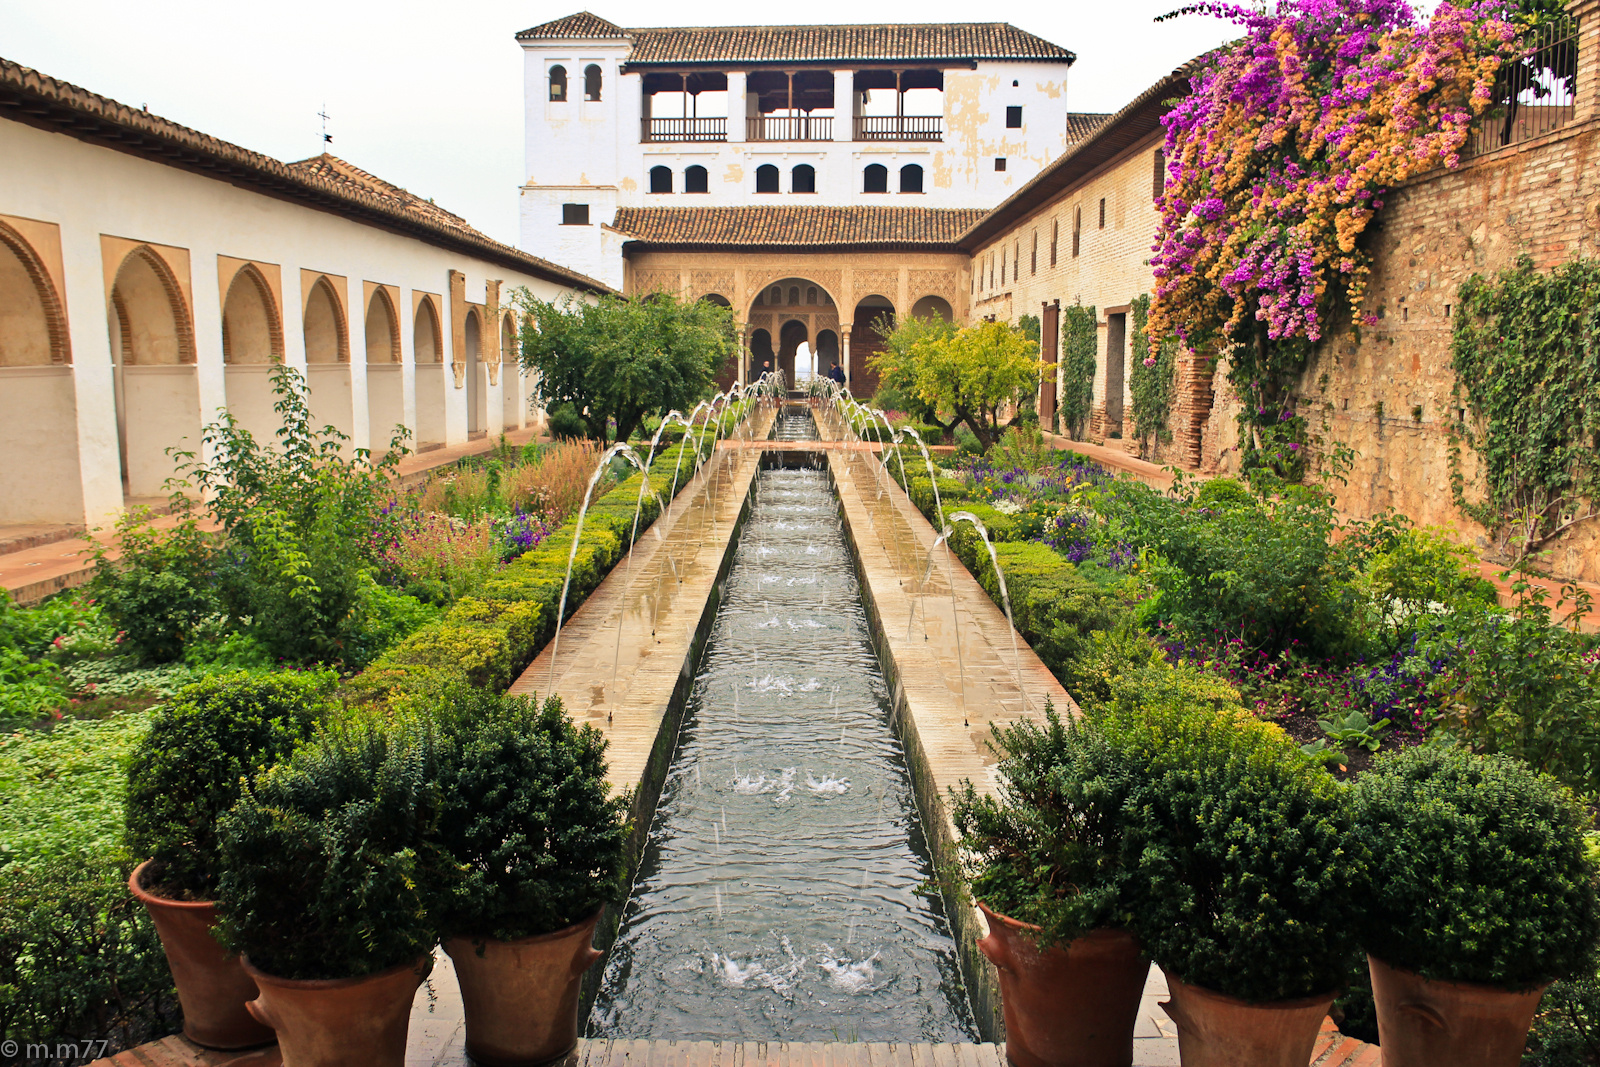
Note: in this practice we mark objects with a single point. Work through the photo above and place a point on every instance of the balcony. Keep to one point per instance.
(694, 129)
(789, 128)
(899, 128)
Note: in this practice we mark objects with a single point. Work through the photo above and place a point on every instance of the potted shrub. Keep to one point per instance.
(1241, 885)
(1482, 894)
(328, 885)
(529, 820)
(1043, 860)
(182, 779)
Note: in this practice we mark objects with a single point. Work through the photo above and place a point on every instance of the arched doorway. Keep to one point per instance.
(252, 346)
(427, 351)
(728, 373)
(514, 406)
(930, 306)
(790, 338)
(327, 337)
(386, 401)
(40, 475)
(153, 365)
(761, 354)
(866, 340)
(476, 417)
(827, 351)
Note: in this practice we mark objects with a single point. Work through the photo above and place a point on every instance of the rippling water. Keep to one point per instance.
(778, 893)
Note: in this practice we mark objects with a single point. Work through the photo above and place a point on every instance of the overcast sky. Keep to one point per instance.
(429, 95)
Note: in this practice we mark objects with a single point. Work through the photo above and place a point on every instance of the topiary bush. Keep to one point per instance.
(1479, 870)
(527, 815)
(185, 774)
(1048, 850)
(1241, 878)
(329, 864)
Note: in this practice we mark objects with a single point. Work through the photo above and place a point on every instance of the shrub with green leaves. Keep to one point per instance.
(186, 773)
(1566, 1032)
(159, 586)
(1241, 878)
(328, 869)
(1479, 870)
(527, 814)
(1048, 850)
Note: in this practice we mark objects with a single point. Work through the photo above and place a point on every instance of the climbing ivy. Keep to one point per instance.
(1079, 344)
(1526, 353)
(1153, 380)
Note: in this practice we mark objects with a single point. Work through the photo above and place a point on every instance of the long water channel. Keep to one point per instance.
(778, 897)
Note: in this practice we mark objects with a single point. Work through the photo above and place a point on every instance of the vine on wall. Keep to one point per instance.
(1526, 352)
(1153, 380)
(1079, 344)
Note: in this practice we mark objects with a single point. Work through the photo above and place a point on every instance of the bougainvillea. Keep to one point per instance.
(1284, 150)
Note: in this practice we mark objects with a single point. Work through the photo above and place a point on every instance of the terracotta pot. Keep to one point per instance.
(212, 986)
(1072, 1005)
(1422, 1022)
(340, 1022)
(520, 997)
(1219, 1031)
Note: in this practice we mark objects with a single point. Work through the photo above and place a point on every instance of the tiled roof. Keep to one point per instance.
(583, 24)
(788, 227)
(1081, 124)
(729, 45)
(322, 182)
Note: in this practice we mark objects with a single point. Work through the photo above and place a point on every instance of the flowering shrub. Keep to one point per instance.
(445, 557)
(1283, 152)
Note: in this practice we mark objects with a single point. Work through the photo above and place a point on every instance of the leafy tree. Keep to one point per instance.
(620, 359)
(896, 366)
(972, 373)
(159, 586)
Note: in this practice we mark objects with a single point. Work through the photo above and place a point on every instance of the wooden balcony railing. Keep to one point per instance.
(790, 128)
(899, 128)
(684, 130)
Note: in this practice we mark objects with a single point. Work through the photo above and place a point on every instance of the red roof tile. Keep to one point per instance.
(788, 227)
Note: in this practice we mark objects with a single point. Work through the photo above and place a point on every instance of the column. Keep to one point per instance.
(844, 352)
(844, 105)
(737, 108)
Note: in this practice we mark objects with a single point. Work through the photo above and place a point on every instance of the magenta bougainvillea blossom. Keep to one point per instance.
(1284, 149)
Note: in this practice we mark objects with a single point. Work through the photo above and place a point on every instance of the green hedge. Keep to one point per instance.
(490, 639)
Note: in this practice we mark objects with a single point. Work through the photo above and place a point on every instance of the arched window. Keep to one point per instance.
(326, 336)
(661, 179)
(803, 179)
(911, 178)
(382, 329)
(591, 82)
(776, 297)
(876, 179)
(811, 294)
(425, 340)
(694, 180)
(766, 178)
(32, 327)
(558, 83)
(794, 294)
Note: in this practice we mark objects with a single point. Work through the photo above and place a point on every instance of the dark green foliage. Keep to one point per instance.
(79, 958)
(1223, 493)
(1151, 386)
(1049, 851)
(186, 773)
(1566, 1032)
(565, 422)
(1479, 871)
(1526, 355)
(617, 360)
(527, 815)
(160, 587)
(1241, 876)
(1054, 606)
(1079, 343)
(302, 526)
(328, 866)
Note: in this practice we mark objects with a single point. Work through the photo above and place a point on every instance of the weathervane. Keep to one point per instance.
(327, 138)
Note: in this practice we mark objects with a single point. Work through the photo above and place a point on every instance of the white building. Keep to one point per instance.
(941, 116)
(152, 276)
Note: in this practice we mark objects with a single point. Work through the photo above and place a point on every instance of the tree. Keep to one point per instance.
(896, 366)
(972, 373)
(620, 359)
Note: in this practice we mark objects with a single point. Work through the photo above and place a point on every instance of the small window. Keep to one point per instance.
(661, 179)
(794, 295)
(911, 178)
(558, 84)
(1102, 212)
(591, 82)
(1033, 257)
(999, 162)
(694, 180)
(876, 179)
(766, 178)
(1158, 181)
(1055, 239)
(1015, 83)
(776, 297)
(811, 294)
(1014, 118)
(1077, 230)
(803, 179)
(574, 214)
